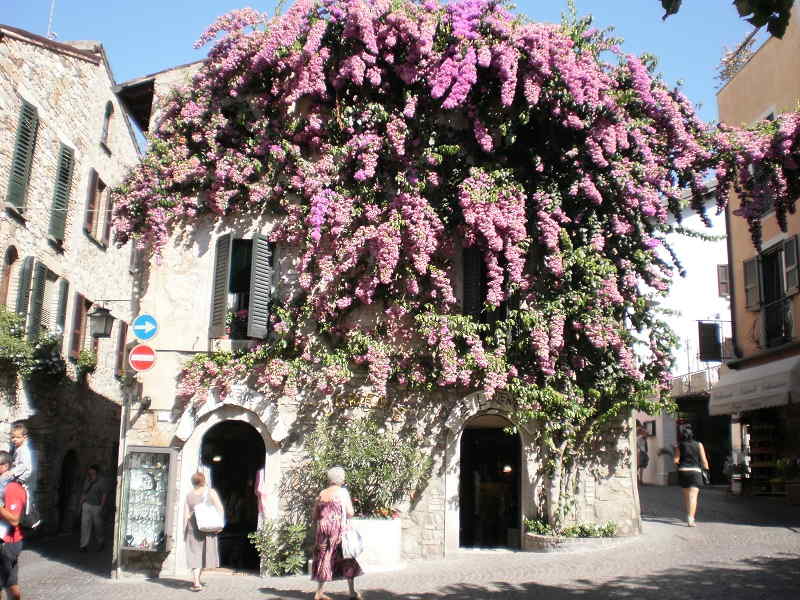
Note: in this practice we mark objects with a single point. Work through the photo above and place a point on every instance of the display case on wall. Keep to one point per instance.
(148, 498)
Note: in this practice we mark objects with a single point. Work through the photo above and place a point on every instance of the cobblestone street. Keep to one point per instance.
(742, 548)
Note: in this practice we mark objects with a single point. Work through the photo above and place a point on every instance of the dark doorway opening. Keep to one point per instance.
(68, 483)
(234, 452)
(489, 489)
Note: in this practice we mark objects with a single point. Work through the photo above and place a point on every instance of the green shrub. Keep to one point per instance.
(279, 543)
(87, 361)
(16, 352)
(581, 530)
(382, 468)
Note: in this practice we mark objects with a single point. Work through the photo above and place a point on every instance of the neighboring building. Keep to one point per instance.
(698, 302)
(65, 140)
(760, 387)
(243, 440)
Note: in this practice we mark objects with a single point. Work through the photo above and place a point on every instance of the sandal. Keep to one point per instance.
(196, 588)
(357, 596)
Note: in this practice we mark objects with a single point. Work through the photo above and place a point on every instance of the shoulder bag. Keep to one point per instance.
(209, 518)
(352, 543)
(706, 477)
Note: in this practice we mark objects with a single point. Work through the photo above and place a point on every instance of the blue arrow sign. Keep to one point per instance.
(145, 327)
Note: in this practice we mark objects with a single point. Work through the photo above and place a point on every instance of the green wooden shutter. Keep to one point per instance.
(790, 265)
(472, 299)
(37, 301)
(752, 283)
(91, 203)
(61, 192)
(23, 156)
(219, 286)
(260, 288)
(61, 310)
(24, 286)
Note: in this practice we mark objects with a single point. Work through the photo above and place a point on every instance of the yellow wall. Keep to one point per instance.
(769, 82)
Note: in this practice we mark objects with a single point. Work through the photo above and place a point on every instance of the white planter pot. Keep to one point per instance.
(382, 544)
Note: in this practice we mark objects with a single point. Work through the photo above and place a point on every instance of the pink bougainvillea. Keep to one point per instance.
(383, 137)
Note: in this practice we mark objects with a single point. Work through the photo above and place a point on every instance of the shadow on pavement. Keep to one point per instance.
(775, 578)
(63, 548)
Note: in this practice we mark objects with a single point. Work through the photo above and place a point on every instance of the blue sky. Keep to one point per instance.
(145, 36)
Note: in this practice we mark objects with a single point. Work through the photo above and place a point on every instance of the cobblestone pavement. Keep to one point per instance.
(742, 549)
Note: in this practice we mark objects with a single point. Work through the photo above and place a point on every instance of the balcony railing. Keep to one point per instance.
(778, 319)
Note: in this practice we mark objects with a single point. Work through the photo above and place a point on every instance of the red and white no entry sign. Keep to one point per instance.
(142, 357)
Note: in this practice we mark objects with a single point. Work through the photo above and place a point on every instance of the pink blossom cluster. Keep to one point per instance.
(380, 137)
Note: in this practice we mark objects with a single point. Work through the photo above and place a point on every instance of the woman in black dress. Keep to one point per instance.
(690, 456)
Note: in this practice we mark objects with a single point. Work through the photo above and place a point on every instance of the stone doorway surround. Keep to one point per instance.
(471, 406)
(190, 458)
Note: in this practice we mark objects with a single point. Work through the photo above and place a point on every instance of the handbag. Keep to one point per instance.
(706, 477)
(209, 518)
(352, 543)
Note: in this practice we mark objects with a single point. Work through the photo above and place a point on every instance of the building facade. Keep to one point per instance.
(760, 387)
(248, 443)
(65, 141)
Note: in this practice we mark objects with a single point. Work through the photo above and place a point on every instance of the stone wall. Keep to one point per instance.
(70, 86)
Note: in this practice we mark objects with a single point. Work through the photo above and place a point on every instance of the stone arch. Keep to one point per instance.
(467, 408)
(189, 460)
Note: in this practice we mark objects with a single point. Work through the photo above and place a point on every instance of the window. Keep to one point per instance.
(242, 284)
(475, 286)
(8, 268)
(98, 210)
(723, 281)
(22, 159)
(24, 286)
(80, 310)
(61, 193)
(106, 125)
(770, 279)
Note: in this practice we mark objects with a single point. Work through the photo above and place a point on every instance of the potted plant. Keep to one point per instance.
(541, 536)
(383, 470)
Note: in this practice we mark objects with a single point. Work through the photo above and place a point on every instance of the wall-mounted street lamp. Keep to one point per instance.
(100, 322)
(100, 319)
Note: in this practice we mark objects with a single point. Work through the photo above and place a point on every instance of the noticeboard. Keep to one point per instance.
(147, 498)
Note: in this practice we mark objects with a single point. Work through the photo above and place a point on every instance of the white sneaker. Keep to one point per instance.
(690, 522)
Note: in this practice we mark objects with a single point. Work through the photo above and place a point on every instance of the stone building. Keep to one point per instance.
(65, 140)
(199, 278)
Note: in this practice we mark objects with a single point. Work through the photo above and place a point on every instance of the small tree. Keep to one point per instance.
(382, 468)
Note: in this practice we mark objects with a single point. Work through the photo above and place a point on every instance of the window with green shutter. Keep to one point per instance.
(24, 286)
(219, 286)
(61, 305)
(61, 192)
(23, 156)
(790, 265)
(37, 301)
(260, 287)
(752, 283)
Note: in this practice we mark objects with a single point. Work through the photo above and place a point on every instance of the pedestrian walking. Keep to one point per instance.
(11, 532)
(643, 457)
(93, 500)
(331, 510)
(690, 456)
(202, 549)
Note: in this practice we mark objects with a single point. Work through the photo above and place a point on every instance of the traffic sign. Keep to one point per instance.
(145, 327)
(142, 357)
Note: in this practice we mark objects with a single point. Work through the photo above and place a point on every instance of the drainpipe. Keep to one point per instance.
(736, 350)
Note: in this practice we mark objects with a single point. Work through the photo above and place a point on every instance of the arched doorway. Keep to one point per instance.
(232, 453)
(67, 492)
(489, 487)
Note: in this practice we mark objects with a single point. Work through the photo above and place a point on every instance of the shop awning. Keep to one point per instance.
(771, 384)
